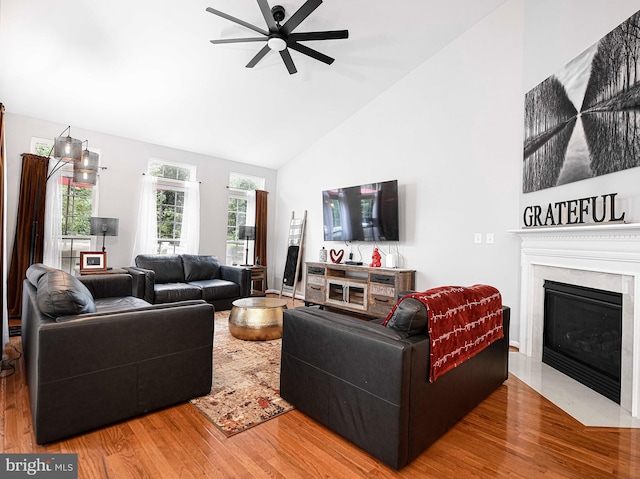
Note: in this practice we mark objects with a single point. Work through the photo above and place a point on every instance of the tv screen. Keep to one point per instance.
(361, 213)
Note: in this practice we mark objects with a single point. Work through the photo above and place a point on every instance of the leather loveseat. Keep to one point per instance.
(369, 383)
(171, 277)
(96, 355)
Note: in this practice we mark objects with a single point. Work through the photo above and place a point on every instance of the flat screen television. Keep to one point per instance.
(361, 213)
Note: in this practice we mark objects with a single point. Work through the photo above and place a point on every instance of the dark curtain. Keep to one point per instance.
(32, 197)
(260, 244)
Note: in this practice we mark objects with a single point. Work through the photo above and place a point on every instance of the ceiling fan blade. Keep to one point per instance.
(288, 61)
(311, 52)
(238, 40)
(259, 56)
(268, 16)
(297, 18)
(330, 35)
(237, 20)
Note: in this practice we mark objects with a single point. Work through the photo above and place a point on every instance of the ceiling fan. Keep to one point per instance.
(280, 37)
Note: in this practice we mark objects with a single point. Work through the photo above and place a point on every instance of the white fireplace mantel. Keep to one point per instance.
(612, 249)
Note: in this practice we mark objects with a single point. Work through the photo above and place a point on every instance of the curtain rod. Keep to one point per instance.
(238, 189)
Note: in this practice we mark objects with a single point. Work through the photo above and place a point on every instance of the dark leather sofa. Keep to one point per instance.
(96, 355)
(369, 383)
(171, 277)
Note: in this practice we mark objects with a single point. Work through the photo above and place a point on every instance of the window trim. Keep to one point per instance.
(249, 197)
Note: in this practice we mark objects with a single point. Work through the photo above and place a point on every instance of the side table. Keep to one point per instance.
(258, 280)
(257, 319)
(107, 271)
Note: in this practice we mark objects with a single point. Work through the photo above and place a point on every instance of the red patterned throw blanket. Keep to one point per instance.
(462, 321)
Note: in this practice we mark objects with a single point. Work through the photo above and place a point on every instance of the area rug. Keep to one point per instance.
(246, 381)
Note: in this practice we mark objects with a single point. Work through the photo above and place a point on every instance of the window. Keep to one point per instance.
(41, 147)
(170, 205)
(241, 212)
(76, 207)
(175, 181)
(75, 203)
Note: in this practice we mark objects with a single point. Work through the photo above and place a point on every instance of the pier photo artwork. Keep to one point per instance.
(584, 121)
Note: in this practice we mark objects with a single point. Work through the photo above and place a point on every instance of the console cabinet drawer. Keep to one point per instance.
(382, 290)
(380, 305)
(315, 280)
(382, 278)
(315, 293)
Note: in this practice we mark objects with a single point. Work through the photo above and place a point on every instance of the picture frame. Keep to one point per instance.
(93, 261)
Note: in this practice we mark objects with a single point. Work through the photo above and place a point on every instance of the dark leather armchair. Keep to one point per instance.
(369, 383)
(96, 355)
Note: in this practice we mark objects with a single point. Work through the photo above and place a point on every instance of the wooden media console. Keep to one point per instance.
(361, 289)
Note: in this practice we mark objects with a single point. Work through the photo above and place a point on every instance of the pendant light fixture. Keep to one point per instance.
(85, 171)
(66, 148)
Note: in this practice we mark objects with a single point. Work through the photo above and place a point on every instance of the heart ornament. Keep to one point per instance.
(336, 256)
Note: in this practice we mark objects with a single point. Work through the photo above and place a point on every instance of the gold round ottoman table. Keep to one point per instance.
(257, 319)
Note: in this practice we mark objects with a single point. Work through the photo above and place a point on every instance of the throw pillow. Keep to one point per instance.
(410, 316)
(60, 294)
(36, 271)
(199, 267)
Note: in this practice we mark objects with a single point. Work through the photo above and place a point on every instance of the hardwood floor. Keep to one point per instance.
(514, 433)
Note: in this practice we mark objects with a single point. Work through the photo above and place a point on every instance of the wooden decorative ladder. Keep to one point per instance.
(295, 242)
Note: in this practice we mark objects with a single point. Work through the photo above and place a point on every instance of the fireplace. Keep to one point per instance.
(582, 335)
(603, 257)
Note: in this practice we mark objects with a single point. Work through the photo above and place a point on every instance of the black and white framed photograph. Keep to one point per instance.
(93, 261)
(584, 121)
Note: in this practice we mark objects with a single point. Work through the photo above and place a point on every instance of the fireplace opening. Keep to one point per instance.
(582, 335)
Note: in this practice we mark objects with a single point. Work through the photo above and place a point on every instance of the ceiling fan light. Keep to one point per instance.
(277, 44)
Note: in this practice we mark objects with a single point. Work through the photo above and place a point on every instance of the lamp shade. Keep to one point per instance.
(67, 148)
(90, 160)
(247, 232)
(85, 171)
(85, 177)
(104, 226)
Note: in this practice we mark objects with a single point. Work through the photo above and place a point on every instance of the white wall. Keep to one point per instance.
(451, 134)
(126, 160)
(555, 33)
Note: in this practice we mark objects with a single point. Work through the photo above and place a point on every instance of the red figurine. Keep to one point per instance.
(375, 259)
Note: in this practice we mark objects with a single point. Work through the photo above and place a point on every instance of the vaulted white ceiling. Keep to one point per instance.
(145, 69)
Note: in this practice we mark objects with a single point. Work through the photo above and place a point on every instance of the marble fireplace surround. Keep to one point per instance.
(604, 256)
